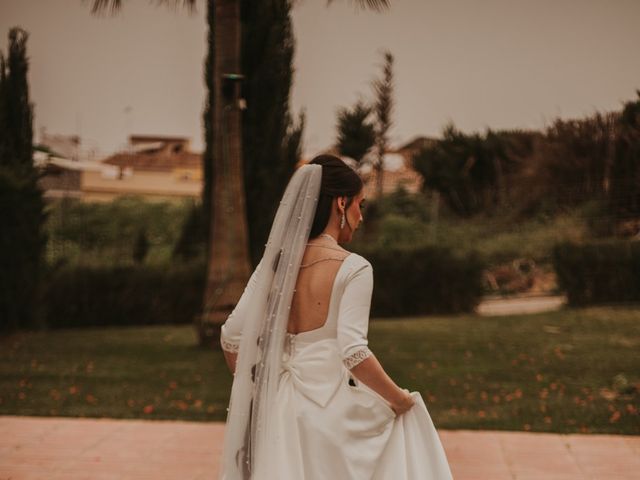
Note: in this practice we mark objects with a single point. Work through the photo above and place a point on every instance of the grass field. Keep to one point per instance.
(567, 371)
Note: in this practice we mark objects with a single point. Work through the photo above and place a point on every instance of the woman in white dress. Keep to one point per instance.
(310, 400)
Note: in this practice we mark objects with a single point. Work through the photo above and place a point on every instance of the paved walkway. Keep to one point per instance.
(520, 305)
(105, 449)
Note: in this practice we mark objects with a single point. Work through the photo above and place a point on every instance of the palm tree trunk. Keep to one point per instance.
(228, 266)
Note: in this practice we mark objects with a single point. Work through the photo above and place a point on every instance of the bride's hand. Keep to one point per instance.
(404, 403)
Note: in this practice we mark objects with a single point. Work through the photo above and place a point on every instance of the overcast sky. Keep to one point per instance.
(479, 64)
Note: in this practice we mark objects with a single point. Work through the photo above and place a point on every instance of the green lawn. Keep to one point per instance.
(569, 371)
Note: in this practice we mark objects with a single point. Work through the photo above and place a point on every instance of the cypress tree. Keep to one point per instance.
(271, 138)
(17, 135)
(22, 215)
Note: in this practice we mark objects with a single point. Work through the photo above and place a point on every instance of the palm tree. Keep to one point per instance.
(228, 264)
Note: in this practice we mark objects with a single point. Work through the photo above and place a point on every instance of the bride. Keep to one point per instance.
(309, 398)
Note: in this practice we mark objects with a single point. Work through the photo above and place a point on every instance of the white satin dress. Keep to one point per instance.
(330, 426)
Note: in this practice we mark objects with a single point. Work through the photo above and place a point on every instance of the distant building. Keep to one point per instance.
(398, 169)
(57, 158)
(414, 146)
(60, 178)
(398, 173)
(155, 167)
(61, 146)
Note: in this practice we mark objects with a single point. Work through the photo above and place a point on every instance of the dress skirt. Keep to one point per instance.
(330, 426)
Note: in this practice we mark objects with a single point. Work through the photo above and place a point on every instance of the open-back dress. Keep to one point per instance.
(329, 425)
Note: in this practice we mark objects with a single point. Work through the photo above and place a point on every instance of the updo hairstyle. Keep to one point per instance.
(338, 180)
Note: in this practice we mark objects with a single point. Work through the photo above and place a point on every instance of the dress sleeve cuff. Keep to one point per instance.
(228, 346)
(357, 357)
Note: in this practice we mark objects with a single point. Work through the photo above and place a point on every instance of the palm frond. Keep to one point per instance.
(102, 6)
(114, 6)
(376, 5)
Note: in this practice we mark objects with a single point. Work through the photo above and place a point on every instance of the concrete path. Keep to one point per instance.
(105, 449)
(520, 305)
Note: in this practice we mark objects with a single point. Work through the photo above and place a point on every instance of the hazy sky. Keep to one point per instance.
(477, 63)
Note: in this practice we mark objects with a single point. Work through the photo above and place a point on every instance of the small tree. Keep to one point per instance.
(356, 133)
(624, 195)
(383, 107)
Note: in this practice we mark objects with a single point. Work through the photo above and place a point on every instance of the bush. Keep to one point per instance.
(601, 272)
(141, 246)
(407, 282)
(134, 295)
(401, 202)
(396, 231)
(192, 242)
(598, 219)
(424, 280)
(103, 233)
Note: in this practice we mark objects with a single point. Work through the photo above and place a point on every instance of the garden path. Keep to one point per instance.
(57, 448)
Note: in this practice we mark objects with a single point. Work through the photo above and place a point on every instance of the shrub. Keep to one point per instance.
(600, 272)
(104, 233)
(407, 282)
(598, 220)
(401, 202)
(192, 242)
(399, 231)
(141, 246)
(397, 219)
(424, 280)
(133, 295)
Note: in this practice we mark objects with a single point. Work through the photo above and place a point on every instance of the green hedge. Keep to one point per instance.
(407, 282)
(424, 280)
(136, 295)
(603, 272)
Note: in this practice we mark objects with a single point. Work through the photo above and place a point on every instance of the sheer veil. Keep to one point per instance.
(248, 430)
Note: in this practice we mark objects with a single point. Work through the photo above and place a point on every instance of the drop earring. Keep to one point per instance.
(342, 222)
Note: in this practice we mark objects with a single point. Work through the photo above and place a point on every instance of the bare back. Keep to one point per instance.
(314, 285)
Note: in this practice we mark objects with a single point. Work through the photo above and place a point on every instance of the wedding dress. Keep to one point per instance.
(325, 424)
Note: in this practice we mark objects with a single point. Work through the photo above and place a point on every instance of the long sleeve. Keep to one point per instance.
(353, 315)
(231, 331)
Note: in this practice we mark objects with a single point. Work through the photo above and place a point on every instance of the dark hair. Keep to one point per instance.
(338, 180)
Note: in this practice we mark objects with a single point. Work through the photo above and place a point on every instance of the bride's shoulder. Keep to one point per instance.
(357, 261)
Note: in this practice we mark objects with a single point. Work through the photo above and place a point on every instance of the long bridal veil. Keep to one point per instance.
(255, 383)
